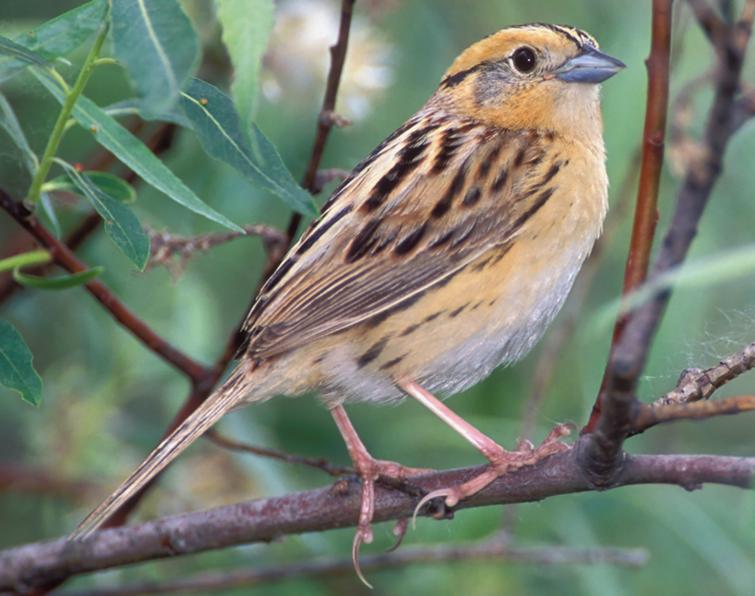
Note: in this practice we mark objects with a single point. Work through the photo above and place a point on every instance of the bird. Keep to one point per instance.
(444, 254)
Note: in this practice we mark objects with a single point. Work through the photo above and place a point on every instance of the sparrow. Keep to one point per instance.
(446, 253)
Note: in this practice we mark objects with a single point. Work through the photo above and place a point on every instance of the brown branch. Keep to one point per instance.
(646, 209)
(710, 22)
(548, 358)
(696, 384)
(166, 246)
(491, 550)
(202, 389)
(652, 415)
(318, 463)
(25, 567)
(326, 119)
(65, 258)
(43, 481)
(159, 142)
(603, 458)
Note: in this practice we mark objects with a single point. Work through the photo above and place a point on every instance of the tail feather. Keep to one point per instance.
(209, 412)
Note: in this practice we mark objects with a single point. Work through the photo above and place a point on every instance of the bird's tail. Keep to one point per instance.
(210, 411)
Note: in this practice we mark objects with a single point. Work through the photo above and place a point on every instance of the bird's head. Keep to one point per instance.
(532, 76)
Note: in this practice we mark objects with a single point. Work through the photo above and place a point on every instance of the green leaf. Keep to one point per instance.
(10, 124)
(60, 282)
(108, 183)
(246, 31)
(132, 107)
(157, 44)
(58, 36)
(48, 211)
(217, 125)
(8, 47)
(16, 370)
(120, 222)
(132, 152)
(26, 259)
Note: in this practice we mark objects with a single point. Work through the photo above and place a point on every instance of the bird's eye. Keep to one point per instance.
(524, 59)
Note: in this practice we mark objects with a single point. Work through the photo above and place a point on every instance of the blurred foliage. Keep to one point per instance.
(107, 399)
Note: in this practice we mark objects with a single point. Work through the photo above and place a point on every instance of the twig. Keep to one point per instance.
(646, 210)
(160, 141)
(712, 25)
(202, 389)
(166, 246)
(317, 463)
(43, 481)
(493, 551)
(603, 457)
(326, 119)
(26, 566)
(696, 384)
(652, 415)
(65, 258)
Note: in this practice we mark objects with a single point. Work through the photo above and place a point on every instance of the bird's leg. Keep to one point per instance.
(368, 469)
(501, 461)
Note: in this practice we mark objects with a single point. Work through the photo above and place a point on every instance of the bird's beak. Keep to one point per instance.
(591, 66)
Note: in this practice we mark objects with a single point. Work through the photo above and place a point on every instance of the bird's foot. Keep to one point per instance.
(501, 462)
(369, 471)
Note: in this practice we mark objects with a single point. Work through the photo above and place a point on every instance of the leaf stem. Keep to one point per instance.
(60, 124)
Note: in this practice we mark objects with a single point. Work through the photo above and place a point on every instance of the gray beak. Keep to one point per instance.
(591, 66)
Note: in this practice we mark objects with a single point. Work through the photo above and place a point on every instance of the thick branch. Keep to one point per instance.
(328, 508)
(495, 551)
(64, 257)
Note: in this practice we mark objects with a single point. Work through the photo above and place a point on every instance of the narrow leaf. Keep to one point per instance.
(157, 44)
(108, 183)
(132, 152)
(16, 370)
(48, 211)
(246, 31)
(60, 282)
(132, 107)
(8, 47)
(26, 259)
(120, 222)
(58, 36)
(217, 125)
(10, 124)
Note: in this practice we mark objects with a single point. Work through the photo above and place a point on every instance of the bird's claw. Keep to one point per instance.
(369, 470)
(508, 461)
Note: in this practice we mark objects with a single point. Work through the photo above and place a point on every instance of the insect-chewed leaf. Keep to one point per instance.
(120, 222)
(217, 125)
(10, 124)
(246, 31)
(132, 152)
(59, 282)
(16, 370)
(8, 47)
(57, 36)
(110, 184)
(157, 44)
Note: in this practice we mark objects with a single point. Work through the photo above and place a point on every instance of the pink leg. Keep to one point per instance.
(501, 461)
(369, 469)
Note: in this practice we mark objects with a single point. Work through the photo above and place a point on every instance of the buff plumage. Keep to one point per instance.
(446, 252)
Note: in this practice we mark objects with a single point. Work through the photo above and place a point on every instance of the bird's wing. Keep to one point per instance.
(432, 198)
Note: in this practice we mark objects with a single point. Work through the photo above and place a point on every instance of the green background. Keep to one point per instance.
(107, 399)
